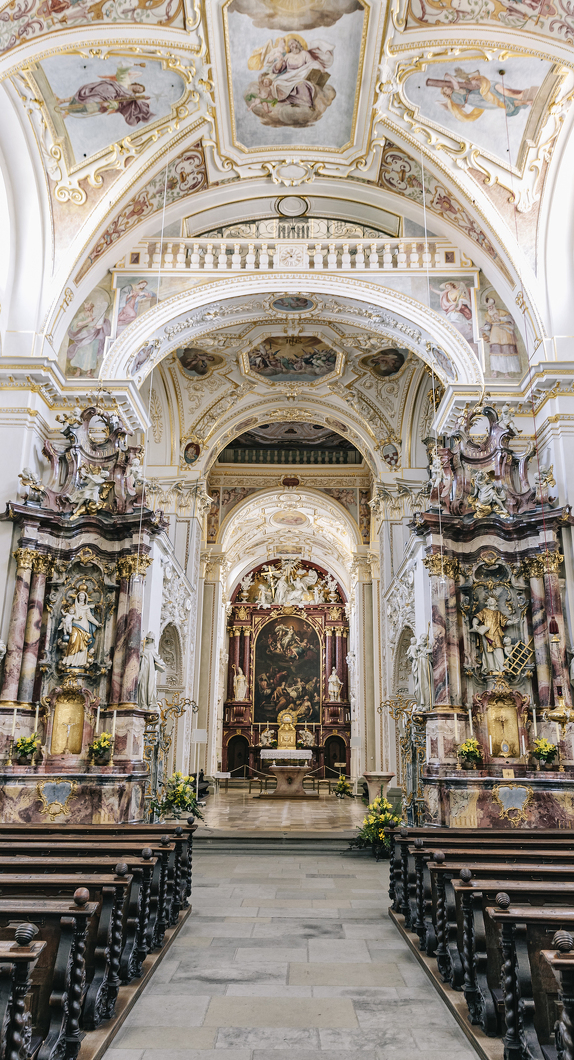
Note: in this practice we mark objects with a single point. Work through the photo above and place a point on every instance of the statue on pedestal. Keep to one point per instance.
(151, 663)
(334, 685)
(239, 684)
(489, 625)
(78, 625)
(424, 678)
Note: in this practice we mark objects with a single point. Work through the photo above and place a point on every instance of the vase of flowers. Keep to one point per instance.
(343, 789)
(100, 749)
(545, 752)
(379, 816)
(470, 753)
(178, 798)
(26, 747)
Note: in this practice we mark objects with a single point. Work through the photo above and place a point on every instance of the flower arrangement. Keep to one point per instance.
(470, 751)
(544, 751)
(100, 746)
(378, 817)
(26, 746)
(178, 797)
(343, 789)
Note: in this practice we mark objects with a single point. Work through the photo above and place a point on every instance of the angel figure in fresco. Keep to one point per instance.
(78, 626)
(130, 298)
(117, 93)
(456, 305)
(499, 332)
(291, 87)
(463, 90)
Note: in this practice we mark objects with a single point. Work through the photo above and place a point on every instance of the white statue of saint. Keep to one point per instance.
(488, 495)
(412, 655)
(489, 625)
(239, 683)
(424, 677)
(335, 685)
(263, 596)
(150, 665)
(267, 737)
(87, 494)
(78, 625)
(307, 738)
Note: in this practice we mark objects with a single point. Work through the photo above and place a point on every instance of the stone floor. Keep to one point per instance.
(240, 811)
(289, 958)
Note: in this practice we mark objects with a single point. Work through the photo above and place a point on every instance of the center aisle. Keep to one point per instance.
(289, 957)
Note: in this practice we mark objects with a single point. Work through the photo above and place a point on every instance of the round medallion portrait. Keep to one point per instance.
(191, 452)
(289, 519)
(386, 363)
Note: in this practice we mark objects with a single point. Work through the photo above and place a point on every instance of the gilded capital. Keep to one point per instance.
(25, 558)
(544, 563)
(130, 565)
(438, 565)
(43, 564)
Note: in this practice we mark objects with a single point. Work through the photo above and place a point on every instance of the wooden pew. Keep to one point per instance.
(529, 990)
(145, 889)
(53, 847)
(17, 960)
(57, 979)
(561, 963)
(104, 941)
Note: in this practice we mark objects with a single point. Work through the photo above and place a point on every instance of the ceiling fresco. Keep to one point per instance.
(281, 358)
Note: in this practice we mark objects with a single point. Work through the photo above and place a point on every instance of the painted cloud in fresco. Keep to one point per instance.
(294, 14)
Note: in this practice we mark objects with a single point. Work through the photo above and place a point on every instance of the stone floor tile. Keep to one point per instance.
(306, 928)
(212, 929)
(267, 1038)
(124, 1054)
(280, 1012)
(227, 973)
(399, 1038)
(162, 1037)
(268, 990)
(270, 953)
(196, 1054)
(344, 973)
(384, 994)
(306, 1054)
(172, 1011)
(354, 950)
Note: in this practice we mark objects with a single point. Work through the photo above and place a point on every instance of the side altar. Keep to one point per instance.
(72, 662)
(494, 667)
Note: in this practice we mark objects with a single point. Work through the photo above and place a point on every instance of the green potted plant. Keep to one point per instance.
(100, 749)
(178, 798)
(26, 747)
(470, 752)
(343, 789)
(545, 751)
(379, 816)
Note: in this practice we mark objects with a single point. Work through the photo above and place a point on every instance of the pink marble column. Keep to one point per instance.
(120, 640)
(17, 628)
(453, 641)
(442, 694)
(339, 653)
(247, 655)
(345, 672)
(33, 631)
(133, 643)
(328, 657)
(539, 629)
(558, 661)
(233, 658)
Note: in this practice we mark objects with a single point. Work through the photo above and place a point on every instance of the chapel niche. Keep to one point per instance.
(288, 645)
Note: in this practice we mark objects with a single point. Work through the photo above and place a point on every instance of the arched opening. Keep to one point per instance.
(238, 756)
(335, 754)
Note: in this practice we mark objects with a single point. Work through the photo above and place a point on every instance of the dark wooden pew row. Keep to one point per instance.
(530, 991)
(17, 960)
(57, 980)
(169, 899)
(182, 831)
(104, 941)
(561, 962)
(479, 942)
(138, 913)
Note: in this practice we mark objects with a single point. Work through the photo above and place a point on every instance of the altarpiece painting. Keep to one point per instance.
(288, 670)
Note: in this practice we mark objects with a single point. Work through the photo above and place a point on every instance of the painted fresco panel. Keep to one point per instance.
(82, 350)
(279, 359)
(287, 670)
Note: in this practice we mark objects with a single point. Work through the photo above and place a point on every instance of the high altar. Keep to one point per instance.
(493, 666)
(287, 655)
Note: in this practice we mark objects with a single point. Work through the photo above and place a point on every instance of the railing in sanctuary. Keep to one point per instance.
(257, 255)
(289, 456)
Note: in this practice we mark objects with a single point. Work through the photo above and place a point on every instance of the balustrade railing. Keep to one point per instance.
(257, 255)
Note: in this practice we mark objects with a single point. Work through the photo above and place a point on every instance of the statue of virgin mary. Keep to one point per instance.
(79, 625)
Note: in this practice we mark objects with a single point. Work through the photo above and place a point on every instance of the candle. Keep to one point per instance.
(97, 720)
(456, 726)
(470, 722)
(14, 721)
(490, 743)
(534, 720)
(523, 745)
(36, 718)
(557, 733)
(114, 726)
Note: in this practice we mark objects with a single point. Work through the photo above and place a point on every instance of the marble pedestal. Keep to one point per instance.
(289, 783)
(29, 795)
(476, 798)
(376, 781)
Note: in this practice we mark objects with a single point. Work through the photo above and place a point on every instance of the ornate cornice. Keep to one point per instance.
(439, 566)
(127, 566)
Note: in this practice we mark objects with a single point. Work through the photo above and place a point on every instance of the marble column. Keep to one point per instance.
(17, 628)
(41, 569)
(339, 654)
(453, 637)
(328, 657)
(534, 569)
(344, 674)
(558, 660)
(234, 657)
(230, 661)
(120, 638)
(128, 695)
(439, 638)
(247, 655)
